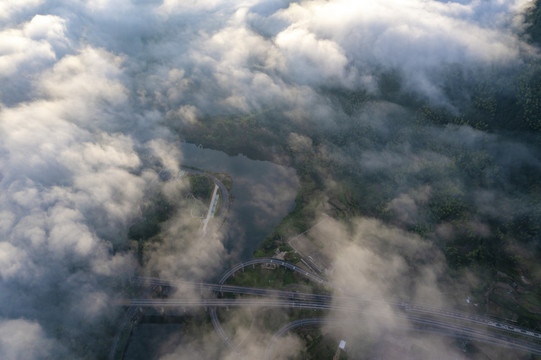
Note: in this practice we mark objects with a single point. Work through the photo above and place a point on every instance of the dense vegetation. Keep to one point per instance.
(460, 170)
(201, 186)
(147, 228)
(533, 19)
(448, 150)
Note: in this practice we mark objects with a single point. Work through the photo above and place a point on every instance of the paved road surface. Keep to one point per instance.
(442, 320)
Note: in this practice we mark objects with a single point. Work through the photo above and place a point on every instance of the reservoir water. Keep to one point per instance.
(263, 194)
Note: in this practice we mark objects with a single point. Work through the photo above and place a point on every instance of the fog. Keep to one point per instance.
(94, 94)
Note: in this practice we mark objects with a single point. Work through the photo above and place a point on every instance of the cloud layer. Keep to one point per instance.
(89, 88)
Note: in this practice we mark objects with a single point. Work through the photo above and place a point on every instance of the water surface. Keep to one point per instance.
(263, 194)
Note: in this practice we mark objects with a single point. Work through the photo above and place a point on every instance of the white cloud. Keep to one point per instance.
(168, 154)
(175, 6)
(71, 185)
(7, 219)
(414, 36)
(312, 58)
(23, 339)
(91, 75)
(17, 49)
(49, 27)
(11, 7)
(240, 56)
(87, 85)
(13, 262)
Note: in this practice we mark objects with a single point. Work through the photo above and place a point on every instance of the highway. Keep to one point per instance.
(321, 302)
(431, 324)
(406, 307)
(283, 263)
(424, 318)
(126, 321)
(219, 288)
(212, 209)
(243, 302)
(226, 199)
(126, 325)
(214, 316)
(448, 322)
(420, 325)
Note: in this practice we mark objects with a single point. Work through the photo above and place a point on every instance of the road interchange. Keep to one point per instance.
(432, 324)
(404, 306)
(423, 318)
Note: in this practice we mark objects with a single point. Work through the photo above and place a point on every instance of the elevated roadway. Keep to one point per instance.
(213, 314)
(424, 318)
(444, 318)
(423, 310)
(429, 324)
(419, 325)
(311, 276)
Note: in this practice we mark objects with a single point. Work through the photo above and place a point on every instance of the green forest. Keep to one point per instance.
(449, 148)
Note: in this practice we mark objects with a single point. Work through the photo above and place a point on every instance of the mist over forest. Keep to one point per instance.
(413, 127)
